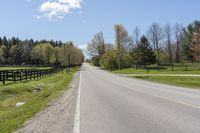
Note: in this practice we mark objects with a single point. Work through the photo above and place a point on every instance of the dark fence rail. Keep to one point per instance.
(17, 75)
(24, 74)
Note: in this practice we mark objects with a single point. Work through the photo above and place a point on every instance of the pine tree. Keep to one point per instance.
(144, 53)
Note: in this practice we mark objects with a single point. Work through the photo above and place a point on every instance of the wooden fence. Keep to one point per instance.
(24, 74)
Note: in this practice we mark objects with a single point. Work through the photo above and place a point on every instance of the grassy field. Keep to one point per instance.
(193, 82)
(184, 81)
(12, 117)
(14, 68)
(191, 69)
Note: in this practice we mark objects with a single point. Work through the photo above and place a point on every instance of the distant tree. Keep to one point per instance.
(195, 47)
(57, 50)
(96, 48)
(36, 55)
(5, 41)
(155, 34)
(0, 41)
(178, 34)
(3, 53)
(109, 60)
(187, 37)
(48, 54)
(136, 35)
(109, 47)
(13, 54)
(121, 36)
(143, 52)
(168, 36)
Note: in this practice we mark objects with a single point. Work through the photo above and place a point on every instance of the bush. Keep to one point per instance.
(108, 60)
(95, 60)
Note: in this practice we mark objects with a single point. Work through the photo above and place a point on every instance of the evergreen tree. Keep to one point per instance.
(143, 53)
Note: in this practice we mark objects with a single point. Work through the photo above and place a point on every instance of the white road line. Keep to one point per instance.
(77, 113)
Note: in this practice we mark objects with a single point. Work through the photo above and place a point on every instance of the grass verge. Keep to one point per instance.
(11, 117)
(190, 69)
(142, 71)
(192, 82)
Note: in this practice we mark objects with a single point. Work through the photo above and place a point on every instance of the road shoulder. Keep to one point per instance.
(58, 117)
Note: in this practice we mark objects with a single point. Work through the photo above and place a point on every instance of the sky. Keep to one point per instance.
(79, 20)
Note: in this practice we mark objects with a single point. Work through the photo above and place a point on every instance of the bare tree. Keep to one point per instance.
(155, 34)
(99, 40)
(168, 34)
(97, 45)
(178, 32)
(136, 35)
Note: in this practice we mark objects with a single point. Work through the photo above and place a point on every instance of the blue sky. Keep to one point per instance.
(78, 20)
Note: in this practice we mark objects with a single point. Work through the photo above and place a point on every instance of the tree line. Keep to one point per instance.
(160, 45)
(29, 52)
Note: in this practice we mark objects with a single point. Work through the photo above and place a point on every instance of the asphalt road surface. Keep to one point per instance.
(108, 103)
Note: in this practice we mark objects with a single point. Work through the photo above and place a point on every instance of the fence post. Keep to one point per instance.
(20, 75)
(14, 75)
(4, 77)
(34, 74)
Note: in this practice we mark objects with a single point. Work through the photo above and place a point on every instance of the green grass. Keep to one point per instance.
(191, 69)
(192, 82)
(15, 68)
(11, 117)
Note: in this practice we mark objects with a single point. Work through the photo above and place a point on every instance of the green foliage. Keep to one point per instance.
(96, 60)
(108, 60)
(69, 54)
(29, 52)
(187, 37)
(3, 53)
(143, 54)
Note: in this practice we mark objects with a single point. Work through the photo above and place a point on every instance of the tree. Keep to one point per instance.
(143, 52)
(121, 36)
(155, 34)
(71, 55)
(13, 54)
(48, 53)
(187, 38)
(136, 35)
(108, 60)
(195, 47)
(36, 54)
(3, 52)
(178, 33)
(96, 48)
(168, 34)
(57, 50)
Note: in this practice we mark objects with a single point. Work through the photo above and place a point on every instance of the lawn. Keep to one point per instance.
(193, 82)
(12, 117)
(191, 69)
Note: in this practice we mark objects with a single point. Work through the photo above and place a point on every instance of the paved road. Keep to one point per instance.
(114, 104)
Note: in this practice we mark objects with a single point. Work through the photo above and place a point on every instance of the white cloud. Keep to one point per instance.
(28, 0)
(56, 9)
